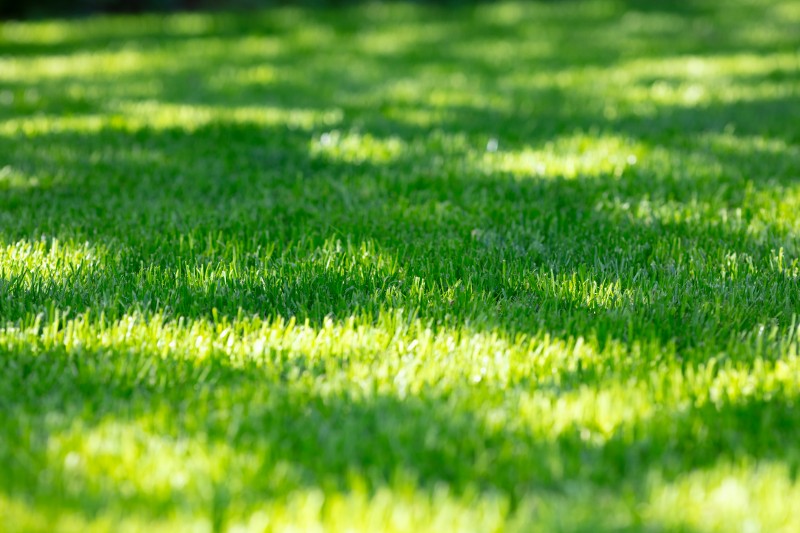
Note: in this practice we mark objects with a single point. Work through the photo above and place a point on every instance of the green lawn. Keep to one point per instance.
(517, 266)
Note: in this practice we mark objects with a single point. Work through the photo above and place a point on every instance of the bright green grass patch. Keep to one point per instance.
(515, 266)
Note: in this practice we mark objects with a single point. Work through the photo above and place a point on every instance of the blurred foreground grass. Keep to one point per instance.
(524, 266)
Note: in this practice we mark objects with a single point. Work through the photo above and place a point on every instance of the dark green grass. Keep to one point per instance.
(518, 266)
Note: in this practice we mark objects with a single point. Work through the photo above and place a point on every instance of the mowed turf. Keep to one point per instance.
(516, 266)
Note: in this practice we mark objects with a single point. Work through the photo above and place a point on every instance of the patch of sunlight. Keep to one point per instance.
(312, 34)
(106, 64)
(466, 97)
(236, 77)
(448, 356)
(439, 90)
(785, 212)
(399, 508)
(18, 516)
(597, 414)
(786, 12)
(391, 509)
(689, 94)
(765, 35)
(775, 210)
(84, 64)
(261, 47)
(771, 218)
(762, 365)
(751, 497)
(404, 90)
(507, 13)
(402, 38)
(413, 358)
(157, 115)
(671, 212)
(355, 147)
(739, 383)
(704, 67)
(186, 24)
(35, 262)
(49, 32)
(584, 290)
(494, 51)
(691, 81)
(443, 89)
(133, 460)
(131, 457)
(394, 336)
(684, 81)
(749, 145)
(568, 156)
(770, 207)
(32, 126)
(53, 32)
(11, 178)
(23, 516)
(422, 117)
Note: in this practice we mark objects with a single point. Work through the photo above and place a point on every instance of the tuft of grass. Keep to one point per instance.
(511, 266)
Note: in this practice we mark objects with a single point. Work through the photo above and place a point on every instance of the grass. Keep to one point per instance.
(515, 266)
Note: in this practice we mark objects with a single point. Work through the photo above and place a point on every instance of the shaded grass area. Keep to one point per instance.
(511, 266)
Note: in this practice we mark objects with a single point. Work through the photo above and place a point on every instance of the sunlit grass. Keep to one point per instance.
(567, 157)
(517, 266)
(157, 454)
(729, 498)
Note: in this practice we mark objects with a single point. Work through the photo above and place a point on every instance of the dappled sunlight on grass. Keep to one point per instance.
(722, 498)
(131, 458)
(26, 264)
(157, 115)
(152, 114)
(11, 178)
(508, 266)
(727, 497)
(37, 125)
(174, 431)
(105, 64)
(727, 67)
(568, 157)
(60, 32)
(353, 148)
(21, 515)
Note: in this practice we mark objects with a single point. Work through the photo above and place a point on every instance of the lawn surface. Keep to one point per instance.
(518, 266)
